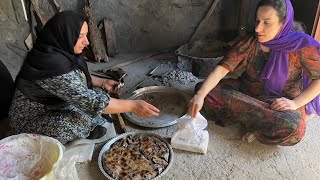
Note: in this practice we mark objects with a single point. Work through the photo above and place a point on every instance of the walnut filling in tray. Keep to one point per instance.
(135, 156)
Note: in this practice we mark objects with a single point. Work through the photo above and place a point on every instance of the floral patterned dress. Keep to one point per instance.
(243, 99)
(76, 118)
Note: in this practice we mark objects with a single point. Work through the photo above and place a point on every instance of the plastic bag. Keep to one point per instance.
(31, 156)
(190, 134)
(83, 148)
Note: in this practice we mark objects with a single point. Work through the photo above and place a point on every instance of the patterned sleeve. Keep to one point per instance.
(71, 88)
(310, 61)
(235, 59)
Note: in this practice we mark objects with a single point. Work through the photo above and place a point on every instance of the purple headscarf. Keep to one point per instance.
(275, 73)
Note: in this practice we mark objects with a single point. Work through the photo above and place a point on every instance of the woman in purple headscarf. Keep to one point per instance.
(278, 82)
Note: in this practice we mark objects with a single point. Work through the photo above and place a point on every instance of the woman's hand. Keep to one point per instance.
(110, 85)
(195, 105)
(282, 104)
(144, 109)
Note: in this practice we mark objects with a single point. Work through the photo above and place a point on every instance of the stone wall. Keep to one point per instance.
(14, 30)
(148, 25)
(144, 25)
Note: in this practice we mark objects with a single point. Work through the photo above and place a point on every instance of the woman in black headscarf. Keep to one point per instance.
(55, 94)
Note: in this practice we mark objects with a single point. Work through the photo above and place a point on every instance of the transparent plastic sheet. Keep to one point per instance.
(83, 149)
(190, 134)
(31, 156)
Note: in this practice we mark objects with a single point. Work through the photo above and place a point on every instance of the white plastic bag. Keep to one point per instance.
(190, 134)
(31, 156)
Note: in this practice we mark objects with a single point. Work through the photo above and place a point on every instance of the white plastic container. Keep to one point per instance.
(29, 156)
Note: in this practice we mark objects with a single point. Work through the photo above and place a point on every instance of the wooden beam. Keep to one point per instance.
(135, 60)
(111, 38)
(243, 18)
(96, 42)
(42, 16)
(316, 25)
(204, 21)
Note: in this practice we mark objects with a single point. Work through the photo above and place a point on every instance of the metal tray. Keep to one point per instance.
(171, 102)
(107, 146)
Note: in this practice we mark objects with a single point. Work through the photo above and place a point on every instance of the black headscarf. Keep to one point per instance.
(53, 53)
(6, 91)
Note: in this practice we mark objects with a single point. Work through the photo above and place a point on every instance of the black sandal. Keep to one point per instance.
(97, 132)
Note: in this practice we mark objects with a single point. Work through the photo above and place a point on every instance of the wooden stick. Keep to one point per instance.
(204, 20)
(24, 10)
(135, 60)
(56, 5)
(243, 18)
(315, 23)
(133, 88)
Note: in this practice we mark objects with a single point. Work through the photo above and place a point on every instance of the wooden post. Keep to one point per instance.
(316, 25)
(42, 16)
(110, 37)
(203, 21)
(96, 42)
(243, 18)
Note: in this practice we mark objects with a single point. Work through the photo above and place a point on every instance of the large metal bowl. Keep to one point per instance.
(171, 102)
(107, 146)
